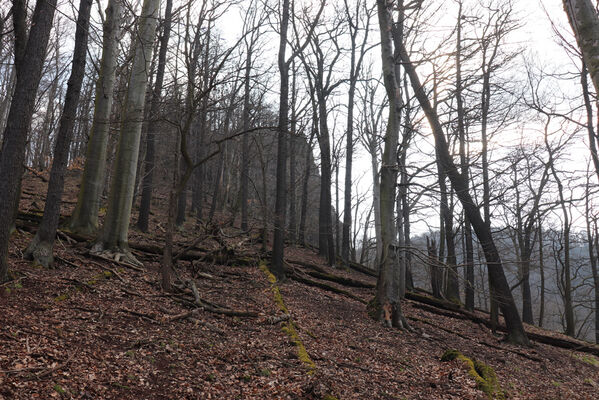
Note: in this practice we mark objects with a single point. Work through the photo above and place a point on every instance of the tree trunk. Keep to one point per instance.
(116, 224)
(292, 161)
(305, 181)
(85, 216)
(245, 146)
(498, 281)
(326, 244)
(387, 302)
(278, 248)
(29, 62)
(41, 246)
(465, 170)
(148, 178)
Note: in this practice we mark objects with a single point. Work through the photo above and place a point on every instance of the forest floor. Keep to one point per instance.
(98, 329)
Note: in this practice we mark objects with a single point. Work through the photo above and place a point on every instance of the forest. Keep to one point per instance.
(303, 199)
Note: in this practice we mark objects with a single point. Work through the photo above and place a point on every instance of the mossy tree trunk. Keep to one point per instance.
(41, 246)
(29, 62)
(85, 216)
(116, 225)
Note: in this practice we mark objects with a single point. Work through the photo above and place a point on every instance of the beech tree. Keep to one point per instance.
(29, 50)
(116, 224)
(85, 216)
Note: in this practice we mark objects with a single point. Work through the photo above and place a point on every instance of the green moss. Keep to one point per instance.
(59, 389)
(589, 359)
(484, 375)
(556, 383)
(288, 327)
(265, 372)
(62, 297)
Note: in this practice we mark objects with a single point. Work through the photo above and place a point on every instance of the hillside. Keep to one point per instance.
(99, 329)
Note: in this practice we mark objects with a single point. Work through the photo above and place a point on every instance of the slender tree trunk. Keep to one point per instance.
(149, 165)
(376, 200)
(85, 216)
(116, 224)
(326, 242)
(498, 281)
(436, 278)
(292, 161)
(245, 146)
(349, 155)
(305, 181)
(452, 288)
(41, 246)
(278, 248)
(542, 272)
(29, 62)
(465, 170)
(567, 282)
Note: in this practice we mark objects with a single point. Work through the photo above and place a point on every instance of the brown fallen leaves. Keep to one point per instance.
(77, 332)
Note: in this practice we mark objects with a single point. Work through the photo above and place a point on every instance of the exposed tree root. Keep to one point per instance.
(40, 252)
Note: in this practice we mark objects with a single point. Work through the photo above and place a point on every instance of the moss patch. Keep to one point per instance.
(288, 327)
(484, 375)
(589, 359)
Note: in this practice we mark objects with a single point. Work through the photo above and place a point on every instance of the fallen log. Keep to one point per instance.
(454, 311)
(320, 273)
(363, 269)
(325, 286)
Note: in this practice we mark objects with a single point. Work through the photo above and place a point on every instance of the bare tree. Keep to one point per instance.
(29, 61)
(116, 224)
(41, 246)
(85, 215)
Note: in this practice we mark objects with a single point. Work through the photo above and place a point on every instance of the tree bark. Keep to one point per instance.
(85, 216)
(277, 262)
(29, 62)
(148, 178)
(388, 301)
(41, 246)
(116, 224)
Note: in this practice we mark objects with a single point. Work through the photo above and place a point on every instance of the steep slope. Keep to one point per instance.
(96, 328)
